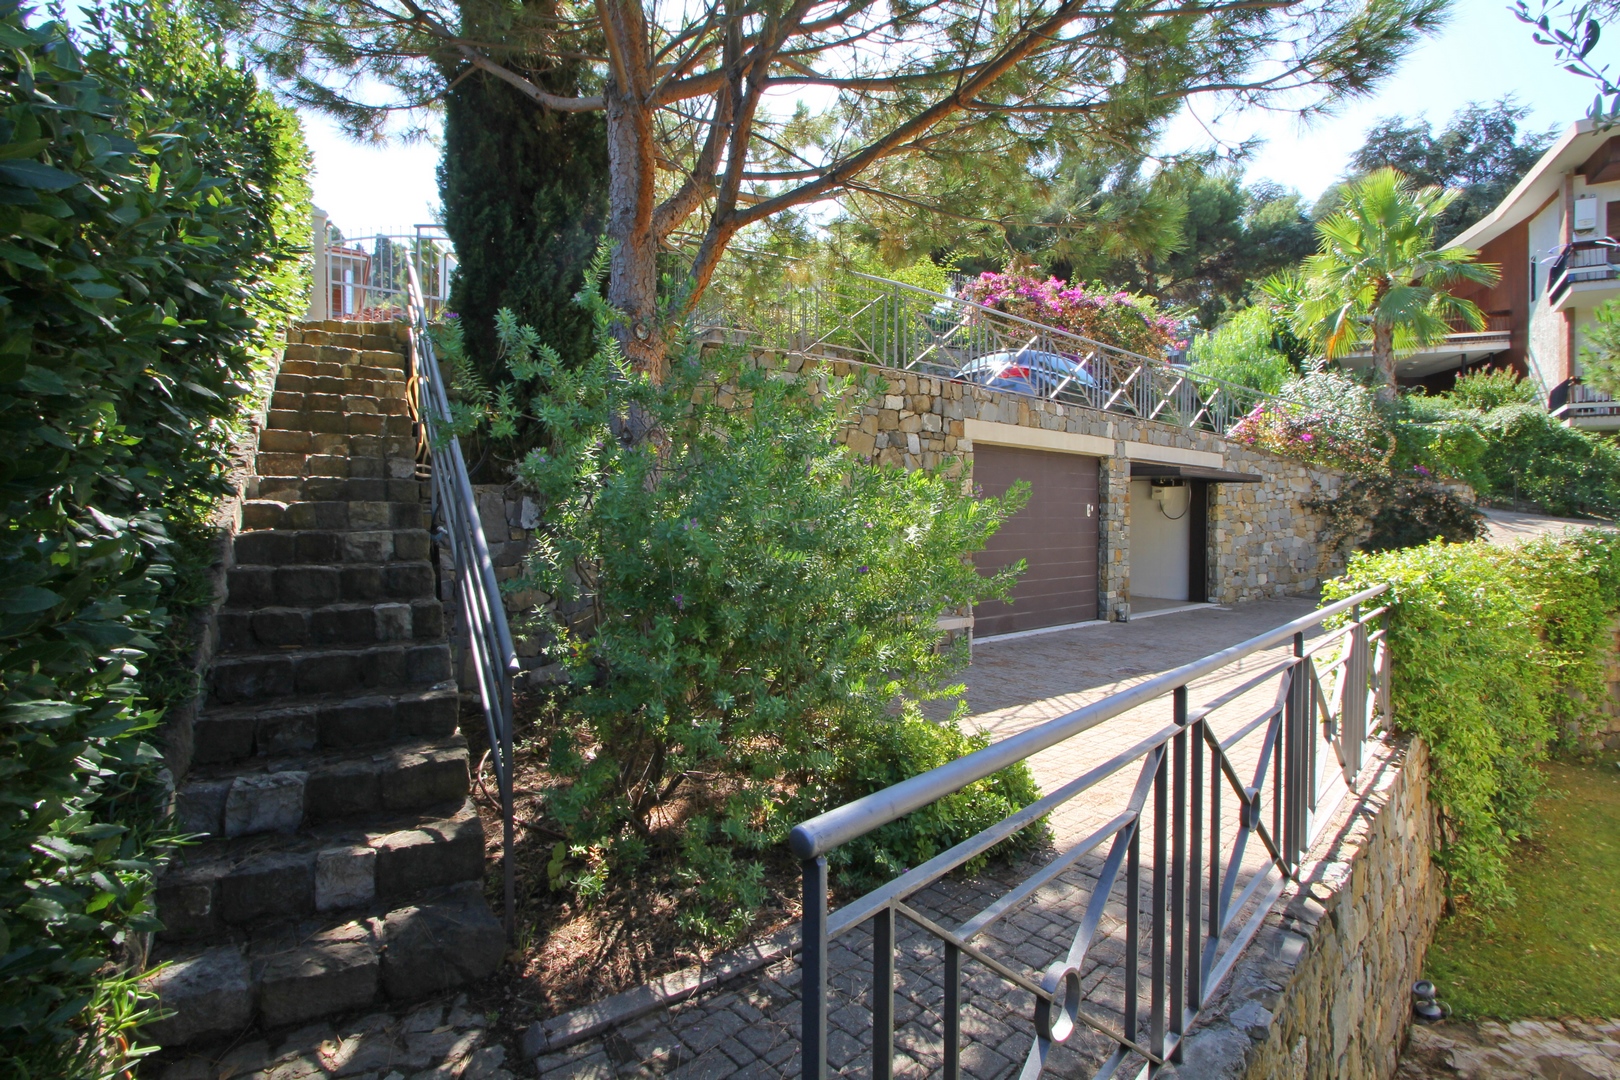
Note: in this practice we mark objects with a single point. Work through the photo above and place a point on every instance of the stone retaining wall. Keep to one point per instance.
(1324, 990)
(1264, 539)
(1606, 733)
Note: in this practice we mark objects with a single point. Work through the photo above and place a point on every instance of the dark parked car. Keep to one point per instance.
(1029, 371)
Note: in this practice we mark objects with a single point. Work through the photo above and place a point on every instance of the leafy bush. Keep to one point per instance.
(1495, 651)
(758, 601)
(1531, 456)
(1436, 439)
(149, 203)
(1383, 512)
(1325, 418)
(1244, 350)
(1122, 319)
(1491, 389)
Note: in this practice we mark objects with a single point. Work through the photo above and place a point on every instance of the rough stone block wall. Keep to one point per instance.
(1606, 735)
(1265, 539)
(1324, 991)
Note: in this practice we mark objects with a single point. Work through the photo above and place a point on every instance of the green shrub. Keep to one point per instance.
(1491, 389)
(149, 213)
(1325, 418)
(1435, 439)
(1384, 512)
(1530, 456)
(877, 754)
(1495, 651)
(755, 601)
(1243, 350)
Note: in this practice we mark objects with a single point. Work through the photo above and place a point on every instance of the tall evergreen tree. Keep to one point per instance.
(525, 198)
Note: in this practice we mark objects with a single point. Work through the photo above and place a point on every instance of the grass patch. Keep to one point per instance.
(1556, 953)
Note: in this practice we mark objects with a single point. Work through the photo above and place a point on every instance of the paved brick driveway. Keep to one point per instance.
(752, 1030)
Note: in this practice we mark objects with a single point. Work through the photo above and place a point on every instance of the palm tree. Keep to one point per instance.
(1378, 275)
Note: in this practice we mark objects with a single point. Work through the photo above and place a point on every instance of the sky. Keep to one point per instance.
(1483, 54)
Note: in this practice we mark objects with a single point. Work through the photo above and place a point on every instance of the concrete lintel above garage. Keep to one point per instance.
(1030, 438)
(1170, 455)
(1150, 470)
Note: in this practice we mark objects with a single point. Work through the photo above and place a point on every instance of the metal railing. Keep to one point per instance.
(457, 525)
(1583, 260)
(1573, 399)
(1197, 920)
(366, 277)
(848, 315)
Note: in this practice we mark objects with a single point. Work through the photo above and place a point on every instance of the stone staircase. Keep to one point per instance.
(343, 858)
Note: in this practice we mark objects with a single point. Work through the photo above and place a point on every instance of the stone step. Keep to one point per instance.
(447, 939)
(311, 585)
(283, 547)
(271, 628)
(344, 364)
(287, 441)
(341, 721)
(347, 335)
(292, 401)
(213, 887)
(386, 418)
(266, 676)
(366, 515)
(337, 466)
(360, 423)
(332, 352)
(337, 488)
(289, 792)
(376, 381)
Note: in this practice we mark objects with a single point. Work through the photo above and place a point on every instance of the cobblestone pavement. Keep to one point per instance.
(1523, 1050)
(441, 1040)
(752, 1030)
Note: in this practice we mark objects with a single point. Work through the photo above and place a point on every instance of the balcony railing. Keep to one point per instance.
(1575, 399)
(1584, 260)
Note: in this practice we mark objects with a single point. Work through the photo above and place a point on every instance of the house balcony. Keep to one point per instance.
(1463, 346)
(1581, 406)
(1586, 273)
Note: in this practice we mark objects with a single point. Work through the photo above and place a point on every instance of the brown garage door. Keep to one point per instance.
(1055, 534)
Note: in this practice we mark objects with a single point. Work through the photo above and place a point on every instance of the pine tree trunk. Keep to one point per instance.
(633, 271)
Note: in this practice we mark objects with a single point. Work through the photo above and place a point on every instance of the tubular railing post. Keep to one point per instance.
(1296, 773)
(1195, 870)
(883, 994)
(953, 1012)
(1178, 870)
(813, 968)
(1161, 836)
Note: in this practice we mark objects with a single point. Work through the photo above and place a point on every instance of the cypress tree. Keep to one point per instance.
(525, 199)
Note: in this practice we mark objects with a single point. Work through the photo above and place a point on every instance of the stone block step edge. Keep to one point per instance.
(587, 1021)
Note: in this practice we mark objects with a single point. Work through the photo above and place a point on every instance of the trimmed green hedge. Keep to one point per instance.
(152, 222)
(1497, 652)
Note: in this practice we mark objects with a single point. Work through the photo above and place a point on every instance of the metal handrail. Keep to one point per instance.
(1196, 934)
(458, 526)
(868, 319)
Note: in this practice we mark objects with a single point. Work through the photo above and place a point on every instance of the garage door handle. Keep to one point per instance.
(1091, 508)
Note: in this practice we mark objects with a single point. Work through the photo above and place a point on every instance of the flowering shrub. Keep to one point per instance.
(1324, 418)
(1121, 319)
